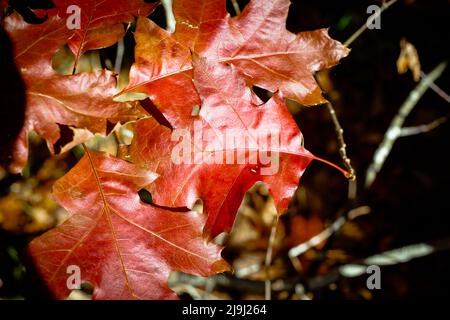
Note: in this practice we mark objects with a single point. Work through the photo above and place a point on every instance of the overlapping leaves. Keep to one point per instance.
(256, 43)
(101, 23)
(252, 49)
(199, 77)
(126, 249)
(82, 101)
(210, 169)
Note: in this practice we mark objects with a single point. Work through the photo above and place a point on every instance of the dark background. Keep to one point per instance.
(410, 197)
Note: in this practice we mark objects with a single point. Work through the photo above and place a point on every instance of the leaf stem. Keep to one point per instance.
(343, 171)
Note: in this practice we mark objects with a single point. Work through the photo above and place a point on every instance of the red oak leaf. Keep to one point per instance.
(101, 21)
(235, 139)
(123, 247)
(163, 70)
(82, 101)
(256, 43)
(35, 45)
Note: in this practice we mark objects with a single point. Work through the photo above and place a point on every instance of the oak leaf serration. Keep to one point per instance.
(255, 42)
(83, 101)
(126, 249)
(101, 21)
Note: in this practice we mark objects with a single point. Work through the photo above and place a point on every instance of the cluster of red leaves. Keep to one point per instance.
(79, 101)
(200, 74)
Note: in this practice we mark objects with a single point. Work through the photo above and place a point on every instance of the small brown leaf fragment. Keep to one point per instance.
(408, 59)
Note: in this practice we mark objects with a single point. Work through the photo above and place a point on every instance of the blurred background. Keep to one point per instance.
(404, 215)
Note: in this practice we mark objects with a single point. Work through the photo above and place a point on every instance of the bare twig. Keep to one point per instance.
(341, 140)
(328, 232)
(411, 131)
(352, 193)
(393, 133)
(268, 260)
(387, 258)
(444, 95)
(370, 20)
(317, 239)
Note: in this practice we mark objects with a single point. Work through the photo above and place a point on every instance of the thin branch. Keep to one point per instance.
(328, 232)
(387, 258)
(317, 239)
(393, 133)
(436, 89)
(370, 20)
(268, 260)
(342, 144)
(411, 131)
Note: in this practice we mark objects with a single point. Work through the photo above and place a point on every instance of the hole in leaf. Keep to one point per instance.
(159, 16)
(108, 57)
(198, 206)
(149, 106)
(263, 94)
(195, 111)
(145, 196)
(24, 8)
(230, 7)
(38, 4)
(221, 239)
(63, 60)
(125, 134)
(87, 288)
(84, 293)
(110, 127)
(66, 136)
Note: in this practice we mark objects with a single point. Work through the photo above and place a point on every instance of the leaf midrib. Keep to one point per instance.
(106, 211)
